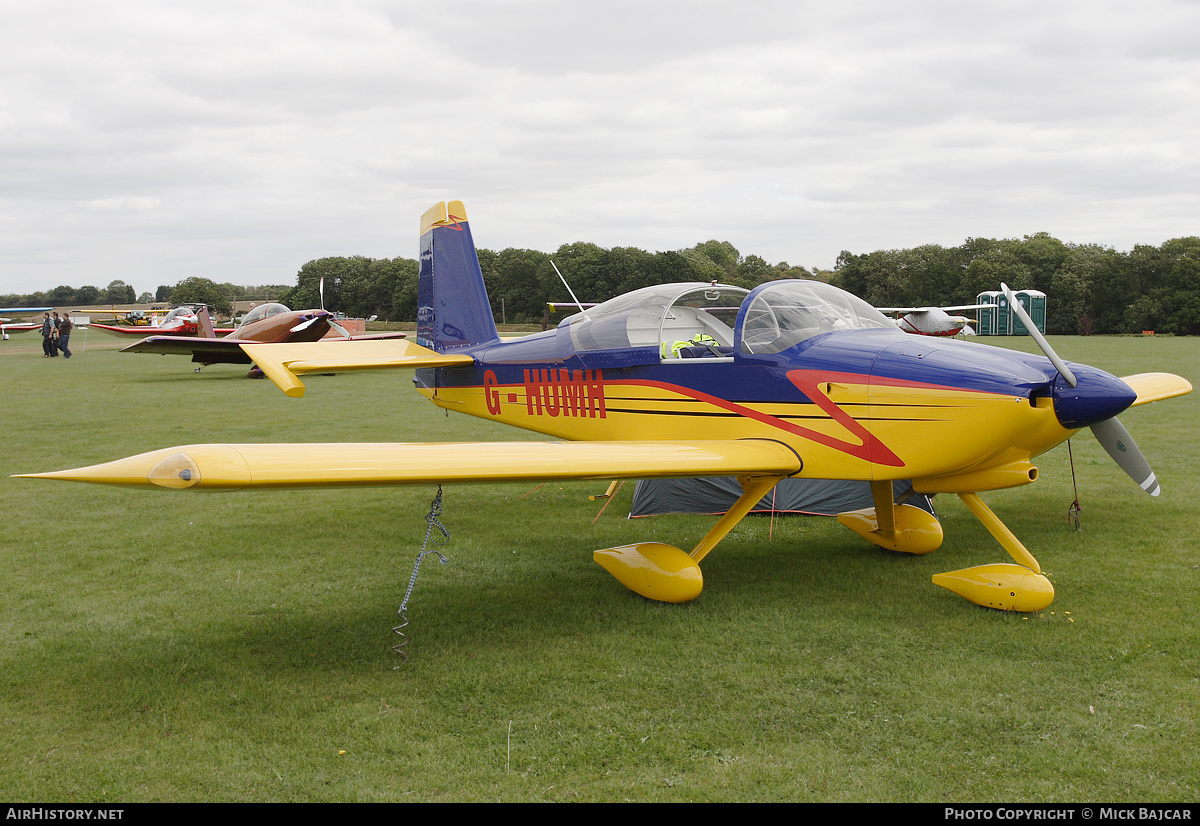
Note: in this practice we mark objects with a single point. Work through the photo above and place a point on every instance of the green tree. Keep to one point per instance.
(201, 291)
(724, 254)
(752, 271)
(931, 275)
(1168, 279)
(404, 293)
(999, 264)
(1071, 299)
(87, 294)
(516, 291)
(586, 268)
(61, 296)
(697, 266)
(632, 268)
(876, 277)
(309, 294)
(118, 292)
(1043, 255)
(784, 270)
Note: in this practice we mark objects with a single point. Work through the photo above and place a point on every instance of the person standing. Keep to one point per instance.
(54, 336)
(64, 335)
(47, 332)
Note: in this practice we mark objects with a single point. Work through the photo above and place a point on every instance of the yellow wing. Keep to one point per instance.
(1153, 387)
(232, 467)
(282, 363)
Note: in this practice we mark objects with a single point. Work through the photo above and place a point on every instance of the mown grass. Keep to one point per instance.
(176, 647)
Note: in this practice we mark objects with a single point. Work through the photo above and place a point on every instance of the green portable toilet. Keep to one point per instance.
(993, 321)
(1034, 303)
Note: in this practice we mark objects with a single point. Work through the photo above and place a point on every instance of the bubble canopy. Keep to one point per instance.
(262, 311)
(781, 314)
(768, 319)
(181, 313)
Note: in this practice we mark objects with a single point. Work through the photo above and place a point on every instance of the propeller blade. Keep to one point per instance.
(341, 330)
(1124, 450)
(321, 288)
(1037, 336)
(304, 325)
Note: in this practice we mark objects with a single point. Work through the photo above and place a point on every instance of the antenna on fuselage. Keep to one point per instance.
(572, 292)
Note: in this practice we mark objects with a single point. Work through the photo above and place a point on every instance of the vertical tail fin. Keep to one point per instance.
(204, 326)
(453, 309)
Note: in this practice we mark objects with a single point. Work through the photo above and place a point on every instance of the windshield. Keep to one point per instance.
(784, 313)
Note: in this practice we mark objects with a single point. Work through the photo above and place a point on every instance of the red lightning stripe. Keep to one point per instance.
(869, 448)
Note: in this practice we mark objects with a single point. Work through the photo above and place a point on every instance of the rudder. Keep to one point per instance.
(204, 325)
(453, 309)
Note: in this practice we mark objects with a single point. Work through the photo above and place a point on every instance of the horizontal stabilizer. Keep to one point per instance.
(282, 363)
(1153, 387)
(232, 467)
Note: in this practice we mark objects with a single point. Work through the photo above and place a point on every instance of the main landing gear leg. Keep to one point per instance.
(667, 574)
(1007, 587)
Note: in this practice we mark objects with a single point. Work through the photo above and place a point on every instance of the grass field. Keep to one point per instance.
(160, 646)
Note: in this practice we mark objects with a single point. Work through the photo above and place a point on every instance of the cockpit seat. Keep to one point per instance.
(701, 351)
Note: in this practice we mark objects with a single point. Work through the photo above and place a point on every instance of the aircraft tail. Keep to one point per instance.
(204, 325)
(453, 309)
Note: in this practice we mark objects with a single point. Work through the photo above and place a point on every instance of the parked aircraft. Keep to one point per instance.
(791, 379)
(8, 325)
(178, 321)
(133, 318)
(933, 321)
(267, 323)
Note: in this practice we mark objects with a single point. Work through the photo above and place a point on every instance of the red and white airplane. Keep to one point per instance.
(179, 321)
(933, 321)
(266, 324)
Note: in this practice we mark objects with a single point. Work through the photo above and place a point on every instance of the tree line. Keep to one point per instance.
(117, 292)
(188, 291)
(520, 282)
(1089, 288)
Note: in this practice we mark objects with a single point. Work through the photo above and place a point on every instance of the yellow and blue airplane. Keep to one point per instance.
(793, 379)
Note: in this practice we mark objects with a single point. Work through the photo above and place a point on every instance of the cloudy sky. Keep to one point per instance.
(154, 141)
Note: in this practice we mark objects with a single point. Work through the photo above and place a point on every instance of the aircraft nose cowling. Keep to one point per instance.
(1097, 396)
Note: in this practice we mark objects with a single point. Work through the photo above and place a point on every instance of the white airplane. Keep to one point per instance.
(8, 325)
(933, 321)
